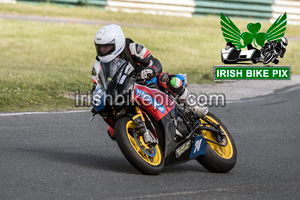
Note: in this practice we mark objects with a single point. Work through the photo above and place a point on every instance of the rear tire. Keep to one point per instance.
(132, 151)
(218, 159)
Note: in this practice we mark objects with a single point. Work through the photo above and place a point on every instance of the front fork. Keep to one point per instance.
(139, 120)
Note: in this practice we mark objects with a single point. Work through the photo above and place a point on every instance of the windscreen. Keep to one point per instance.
(108, 70)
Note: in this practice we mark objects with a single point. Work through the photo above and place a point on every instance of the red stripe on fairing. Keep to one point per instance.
(146, 54)
(165, 101)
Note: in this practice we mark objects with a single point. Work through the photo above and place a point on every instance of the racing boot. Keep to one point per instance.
(200, 111)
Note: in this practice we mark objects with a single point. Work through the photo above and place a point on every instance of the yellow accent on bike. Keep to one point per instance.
(154, 161)
(138, 111)
(224, 152)
(136, 116)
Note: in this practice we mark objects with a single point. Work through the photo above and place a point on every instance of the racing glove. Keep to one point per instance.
(147, 74)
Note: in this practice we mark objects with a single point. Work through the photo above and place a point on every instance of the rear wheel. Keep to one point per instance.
(148, 159)
(218, 159)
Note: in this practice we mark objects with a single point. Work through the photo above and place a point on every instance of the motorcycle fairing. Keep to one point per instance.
(153, 80)
(198, 147)
(232, 55)
(157, 103)
(99, 97)
(187, 149)
(169, 130)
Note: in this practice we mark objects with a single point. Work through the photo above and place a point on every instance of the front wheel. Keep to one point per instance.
(148, 159)
(218, 159)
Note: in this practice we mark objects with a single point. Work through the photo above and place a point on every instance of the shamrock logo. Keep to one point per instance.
(232, 34)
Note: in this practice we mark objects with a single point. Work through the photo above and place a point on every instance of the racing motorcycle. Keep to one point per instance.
(129, 105)
(272, 50)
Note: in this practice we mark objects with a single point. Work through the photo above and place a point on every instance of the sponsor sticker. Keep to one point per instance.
(199, 147)
(180, 150)
(122, 79)
(150, 100)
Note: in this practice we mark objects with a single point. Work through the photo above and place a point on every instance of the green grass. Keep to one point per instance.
(41, 62)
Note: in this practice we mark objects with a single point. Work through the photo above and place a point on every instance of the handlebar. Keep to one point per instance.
(139, 79)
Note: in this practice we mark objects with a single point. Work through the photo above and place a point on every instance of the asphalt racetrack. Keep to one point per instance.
(64, 156)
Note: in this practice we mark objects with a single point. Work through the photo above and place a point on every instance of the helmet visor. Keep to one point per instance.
(105, 49)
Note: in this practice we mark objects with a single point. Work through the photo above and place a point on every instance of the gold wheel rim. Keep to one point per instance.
(154, 161)
(224, 152)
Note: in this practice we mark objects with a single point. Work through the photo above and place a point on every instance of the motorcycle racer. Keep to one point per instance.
(110, 43)
(272, 50)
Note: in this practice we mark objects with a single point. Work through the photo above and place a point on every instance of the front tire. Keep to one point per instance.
(218, 159)
(125, 131)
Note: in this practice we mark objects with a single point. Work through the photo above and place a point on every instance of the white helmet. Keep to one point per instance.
(284, 42)
(109, 35)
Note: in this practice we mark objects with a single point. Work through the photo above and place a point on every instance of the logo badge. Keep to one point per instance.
(272, 44)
